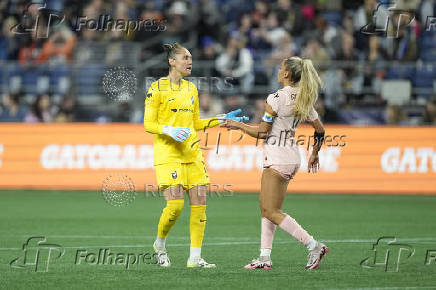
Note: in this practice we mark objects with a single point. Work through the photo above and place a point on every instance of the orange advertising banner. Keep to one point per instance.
(389, 160)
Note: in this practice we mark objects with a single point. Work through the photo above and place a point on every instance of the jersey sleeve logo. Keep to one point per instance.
(149, 95)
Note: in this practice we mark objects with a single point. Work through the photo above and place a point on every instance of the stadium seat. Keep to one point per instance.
(396, 92)
(333, 17)
(88, 79)
(2, 81)
(423, 80)
(398, 72)
(427, 46)
(59, 79)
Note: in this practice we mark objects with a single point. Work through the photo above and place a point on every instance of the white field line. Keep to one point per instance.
(235, 242)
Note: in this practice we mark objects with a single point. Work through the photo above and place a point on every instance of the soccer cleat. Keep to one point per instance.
(316, 255)
(199, 263)
(260, 263)
(162, 256)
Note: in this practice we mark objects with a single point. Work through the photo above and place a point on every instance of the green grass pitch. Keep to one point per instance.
(349, 225)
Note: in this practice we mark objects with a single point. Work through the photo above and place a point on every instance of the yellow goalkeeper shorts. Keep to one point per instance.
(188, 175)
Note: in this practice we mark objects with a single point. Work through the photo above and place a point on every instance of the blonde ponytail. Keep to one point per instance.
(310, 83)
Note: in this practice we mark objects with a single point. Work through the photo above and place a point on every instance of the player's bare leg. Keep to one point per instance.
(273, 192)
(174, 197)
(197, 198)
(271, 200)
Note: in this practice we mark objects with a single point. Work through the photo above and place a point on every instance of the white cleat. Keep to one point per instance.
(162, 257)
(199, 263)
(316, 255)
(260, 263)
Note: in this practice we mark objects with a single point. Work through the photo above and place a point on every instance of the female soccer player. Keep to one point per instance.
(285, 109)
(172, 115)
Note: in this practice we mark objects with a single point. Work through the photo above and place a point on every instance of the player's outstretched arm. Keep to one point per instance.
(201, 124)
(259, 131)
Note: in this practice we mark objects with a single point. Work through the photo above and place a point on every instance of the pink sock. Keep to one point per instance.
(267, 234)
(291, 226)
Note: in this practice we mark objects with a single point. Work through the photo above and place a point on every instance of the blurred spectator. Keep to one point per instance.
(269, 33)
(9, 44)
(315, 51)
(236, 62)
(430, 113)
(327, 115)
(179, 20)
(364, 15)
(259, 110)
(348, 53)
(404, 47)
(294, 17)
(123, 113)
(210, 20)
(41, 110)
(31, 53)
(395, 115)
(209, 49)
(148, 34)
(232, 102)
(12, 111)
(210, 106)
(70, 111)
(324, 31)
(59, 47)
(260, 12)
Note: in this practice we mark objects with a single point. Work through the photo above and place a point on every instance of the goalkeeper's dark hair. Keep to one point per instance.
(172, 50)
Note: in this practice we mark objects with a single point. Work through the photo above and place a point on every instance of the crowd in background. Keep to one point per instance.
(244, 41)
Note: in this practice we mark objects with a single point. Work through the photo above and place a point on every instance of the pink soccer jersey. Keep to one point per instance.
(280, 147)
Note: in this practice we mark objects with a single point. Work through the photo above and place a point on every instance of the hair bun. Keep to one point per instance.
(168, 47)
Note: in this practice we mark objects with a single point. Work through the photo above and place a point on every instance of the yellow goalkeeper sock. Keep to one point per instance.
(197, 224)
(169, 216)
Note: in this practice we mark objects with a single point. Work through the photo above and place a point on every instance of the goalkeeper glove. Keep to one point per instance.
(233, 116)
(179, 134)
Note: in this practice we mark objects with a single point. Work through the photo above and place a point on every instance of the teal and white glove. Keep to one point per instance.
(179, 134)
(233, 116)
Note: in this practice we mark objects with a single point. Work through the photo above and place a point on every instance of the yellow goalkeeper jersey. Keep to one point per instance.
(176, 105)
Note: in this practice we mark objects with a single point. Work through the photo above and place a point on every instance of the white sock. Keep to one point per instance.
(265, 252)
(160, 243)
(311, 244)
(194, 253)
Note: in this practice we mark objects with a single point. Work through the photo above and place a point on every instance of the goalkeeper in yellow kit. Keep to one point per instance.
(172, 115)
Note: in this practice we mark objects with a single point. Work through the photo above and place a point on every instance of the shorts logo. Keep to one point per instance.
(174, 174)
